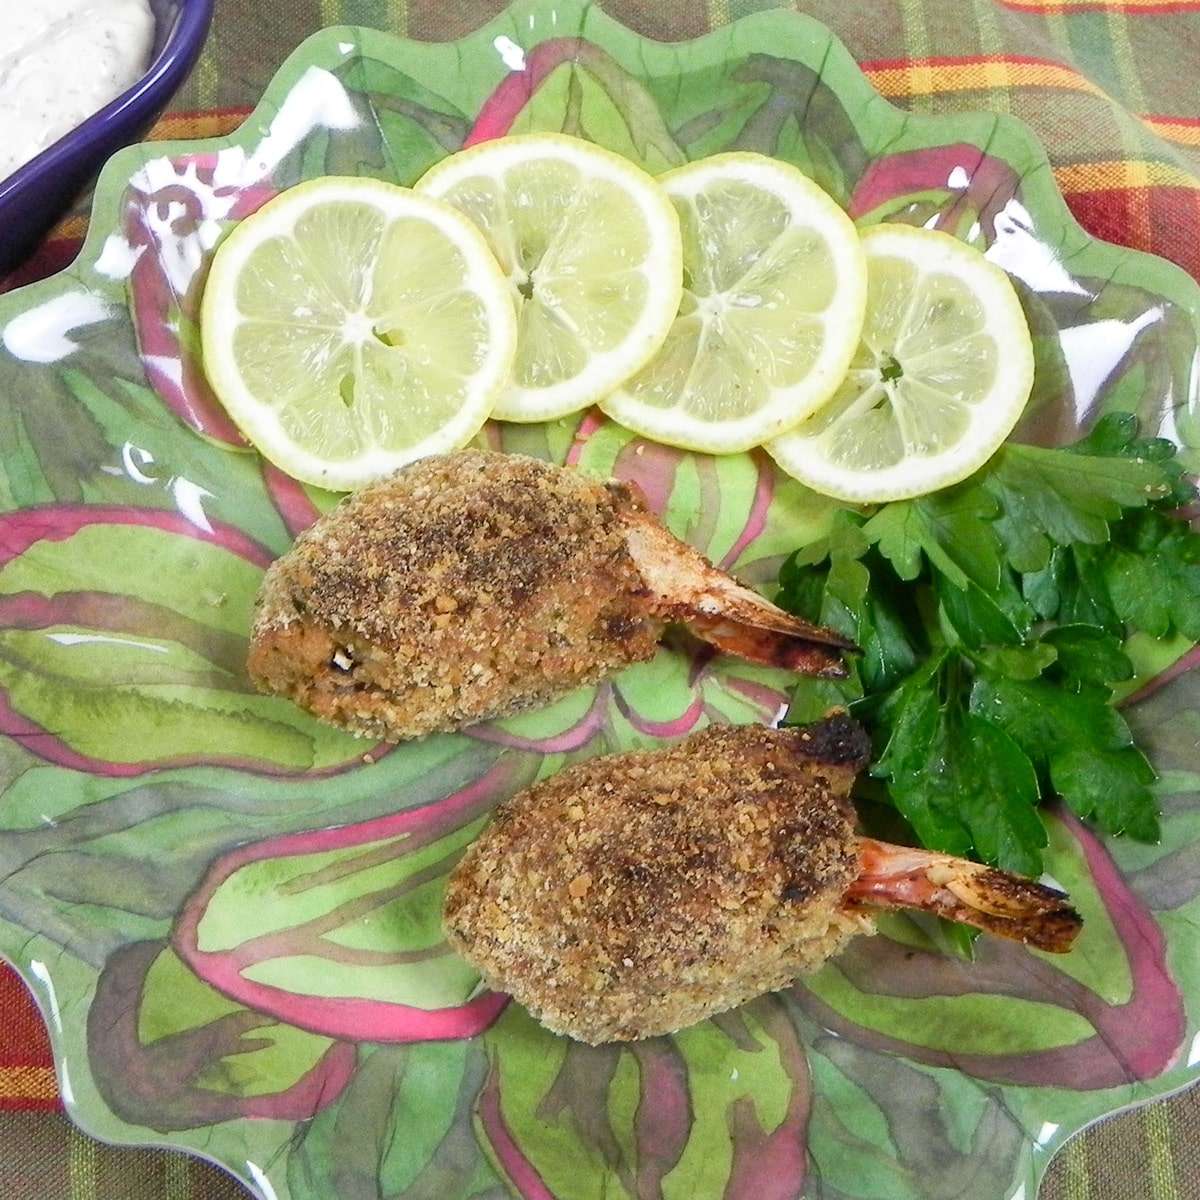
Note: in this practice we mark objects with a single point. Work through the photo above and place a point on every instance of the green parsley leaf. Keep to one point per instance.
(1152, 573)
(1085, 656)
(1115, 435)
(1072, 589)
(960, 780)
(927, 799)
(1049, 497)
(978, 619)
(992, 618)
(1081, 743)
(950, 530)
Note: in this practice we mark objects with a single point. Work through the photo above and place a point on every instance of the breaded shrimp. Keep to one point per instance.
(634, 894)
(474, 585)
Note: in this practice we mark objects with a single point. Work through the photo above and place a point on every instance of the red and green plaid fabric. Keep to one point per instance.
(1109, 87)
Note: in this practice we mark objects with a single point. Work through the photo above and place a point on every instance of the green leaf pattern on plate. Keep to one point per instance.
(163, 825)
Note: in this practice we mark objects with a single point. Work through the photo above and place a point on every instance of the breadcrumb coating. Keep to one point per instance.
(635, 894)
(465, 587)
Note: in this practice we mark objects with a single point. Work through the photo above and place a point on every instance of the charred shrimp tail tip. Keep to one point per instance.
(999, 902)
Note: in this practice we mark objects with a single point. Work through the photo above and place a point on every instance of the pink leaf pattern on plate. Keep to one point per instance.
(137, 754)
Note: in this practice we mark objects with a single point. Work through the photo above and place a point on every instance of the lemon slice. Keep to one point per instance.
(940, 379)
(590, 245)
(774, 292)
(350, 326)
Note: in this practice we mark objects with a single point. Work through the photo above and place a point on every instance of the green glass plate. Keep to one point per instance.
(229, 913)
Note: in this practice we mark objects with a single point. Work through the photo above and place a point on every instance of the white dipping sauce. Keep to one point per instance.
(60, 62)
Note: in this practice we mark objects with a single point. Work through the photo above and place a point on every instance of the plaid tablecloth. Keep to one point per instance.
(1109, 86)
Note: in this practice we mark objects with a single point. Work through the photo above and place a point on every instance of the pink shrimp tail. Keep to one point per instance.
(685, 587)
(999, 902)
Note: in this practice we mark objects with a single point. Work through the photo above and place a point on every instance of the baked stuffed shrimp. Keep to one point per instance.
(475, 585)
(634, 894)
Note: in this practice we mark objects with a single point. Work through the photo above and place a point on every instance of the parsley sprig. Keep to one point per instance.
(992, 618)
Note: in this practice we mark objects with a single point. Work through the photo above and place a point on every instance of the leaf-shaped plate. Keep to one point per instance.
(228, 913)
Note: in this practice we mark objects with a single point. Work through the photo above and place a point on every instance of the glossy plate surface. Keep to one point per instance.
(33, 197)
(229, 914)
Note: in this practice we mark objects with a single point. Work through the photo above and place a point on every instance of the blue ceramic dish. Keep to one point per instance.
(37, 194)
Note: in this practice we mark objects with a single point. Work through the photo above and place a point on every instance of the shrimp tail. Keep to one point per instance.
(684, 587)
(987, 898)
